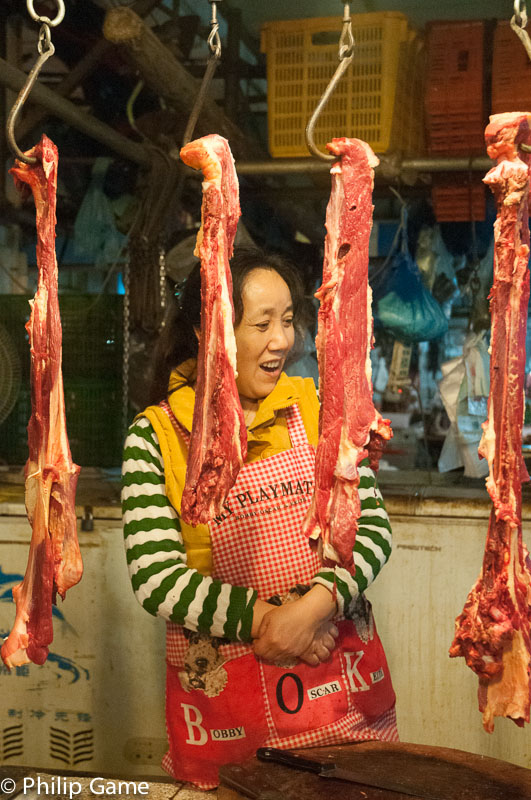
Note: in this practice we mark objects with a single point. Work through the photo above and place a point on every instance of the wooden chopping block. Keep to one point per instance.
(427, 771)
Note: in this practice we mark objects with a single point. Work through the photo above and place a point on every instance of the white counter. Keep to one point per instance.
(107, 675)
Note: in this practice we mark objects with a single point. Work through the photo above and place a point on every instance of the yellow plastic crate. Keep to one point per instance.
(379, 99)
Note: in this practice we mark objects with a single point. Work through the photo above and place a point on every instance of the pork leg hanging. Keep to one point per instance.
(350, 428)
(218, 444)
(54, 563)
(493, 631)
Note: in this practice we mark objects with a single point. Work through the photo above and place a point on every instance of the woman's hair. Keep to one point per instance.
(178, 341)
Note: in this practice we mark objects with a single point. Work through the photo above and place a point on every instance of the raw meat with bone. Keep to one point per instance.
(54, 563)
(218, 444)
(350, 428)
(493, 631)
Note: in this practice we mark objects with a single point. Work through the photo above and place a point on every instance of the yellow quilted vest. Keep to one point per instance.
(267, 435)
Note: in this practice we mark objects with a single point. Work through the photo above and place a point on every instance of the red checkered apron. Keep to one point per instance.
(221, 701)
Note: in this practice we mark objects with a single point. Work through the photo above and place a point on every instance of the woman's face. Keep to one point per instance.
(265, 334)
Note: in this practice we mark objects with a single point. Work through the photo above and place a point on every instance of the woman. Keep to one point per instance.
(263, 644)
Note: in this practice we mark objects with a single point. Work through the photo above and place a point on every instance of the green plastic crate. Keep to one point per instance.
(93, 420)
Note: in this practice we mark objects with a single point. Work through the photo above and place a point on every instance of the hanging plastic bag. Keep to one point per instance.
(403, 305)
(95, 234)
(464, 391)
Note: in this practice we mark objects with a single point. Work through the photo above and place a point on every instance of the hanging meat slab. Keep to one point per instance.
(493, 631)
(350, 428)
(218, 443)
(54, 563)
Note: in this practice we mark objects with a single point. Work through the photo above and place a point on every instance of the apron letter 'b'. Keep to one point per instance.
(194, 725)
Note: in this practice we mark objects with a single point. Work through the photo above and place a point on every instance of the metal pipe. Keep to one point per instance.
(15, 79)
(447, 164)
(388, 166)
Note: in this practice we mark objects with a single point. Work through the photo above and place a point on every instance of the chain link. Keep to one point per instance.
(38, 18)
(518, 23)
(520, 13)
(346, 41)
(44, 44)
(214, 42)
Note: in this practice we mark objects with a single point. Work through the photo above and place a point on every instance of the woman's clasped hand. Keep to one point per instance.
(302, 628)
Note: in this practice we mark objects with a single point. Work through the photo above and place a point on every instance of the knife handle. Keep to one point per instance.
(291, 760)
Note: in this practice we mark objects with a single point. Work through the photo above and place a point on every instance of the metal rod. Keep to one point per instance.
(285, 166)
(15, 79)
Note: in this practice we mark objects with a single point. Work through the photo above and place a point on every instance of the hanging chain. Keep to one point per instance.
(126, 348)
(162, 278)
(473, 283)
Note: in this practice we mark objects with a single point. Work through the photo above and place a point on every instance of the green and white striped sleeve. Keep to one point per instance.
(163, 583)
(371, 549)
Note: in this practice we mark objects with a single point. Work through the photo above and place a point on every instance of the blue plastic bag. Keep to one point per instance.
(402, 304)
(407, 308)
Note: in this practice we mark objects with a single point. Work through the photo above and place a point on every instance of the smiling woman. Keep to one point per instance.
(178, 343)
(255, 624)
(264, 337)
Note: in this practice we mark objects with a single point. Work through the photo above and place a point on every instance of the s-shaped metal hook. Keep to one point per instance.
(346, 53)
(46, 49)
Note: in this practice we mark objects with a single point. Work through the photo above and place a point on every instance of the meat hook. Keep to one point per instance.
(214, 43)
(46, 49)
(346, 53)
(518, 24)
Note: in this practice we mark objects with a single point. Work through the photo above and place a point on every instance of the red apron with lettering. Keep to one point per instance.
(221, 701)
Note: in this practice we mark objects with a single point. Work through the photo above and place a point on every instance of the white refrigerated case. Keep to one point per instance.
(97, 704)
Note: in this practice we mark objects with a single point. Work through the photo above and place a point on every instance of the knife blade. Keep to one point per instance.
(331, 770)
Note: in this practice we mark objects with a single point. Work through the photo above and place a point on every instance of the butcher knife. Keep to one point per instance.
(326, 770)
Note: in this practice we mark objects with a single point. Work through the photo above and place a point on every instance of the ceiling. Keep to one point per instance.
(105, 92)
(419, 12)
(281, 212)
(255, 12)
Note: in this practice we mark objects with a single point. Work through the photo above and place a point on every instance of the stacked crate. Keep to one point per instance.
(511, 72)
(379, 99)
(458, 197)
(454, 99)
(455, 110)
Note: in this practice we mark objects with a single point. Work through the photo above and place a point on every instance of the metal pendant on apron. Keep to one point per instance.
(221, 701)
